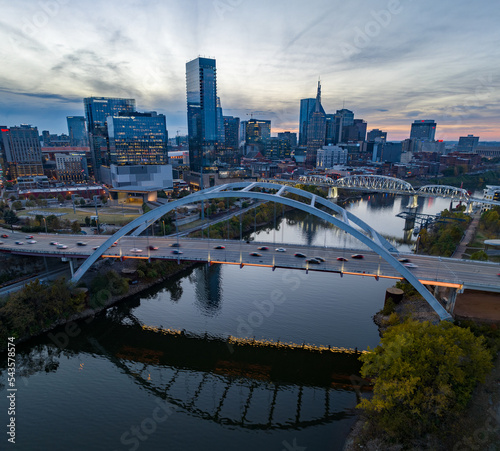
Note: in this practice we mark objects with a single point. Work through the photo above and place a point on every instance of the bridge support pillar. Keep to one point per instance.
(469, 207)
(333, 192)
(71, 267)
(413, 203)
(450, 306)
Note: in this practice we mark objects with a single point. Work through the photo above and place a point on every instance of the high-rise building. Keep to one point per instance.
(331, 130)
(77, 131)
(344, 118)
(306, 110)
(231, 132)
(21, 152)
(424, 130)
(201, 87)
(97, 110)
(468, 143)
(329, 156)
(137, 138)
(376, 135)
(221, 137)
(71, 167)
(257, 131)
(277, 148)
(316, 129)
(290, 137)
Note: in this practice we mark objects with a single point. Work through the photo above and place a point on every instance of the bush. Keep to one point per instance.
(389, 307)
(424, 374)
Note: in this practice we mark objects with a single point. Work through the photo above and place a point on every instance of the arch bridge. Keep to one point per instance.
(293, 197)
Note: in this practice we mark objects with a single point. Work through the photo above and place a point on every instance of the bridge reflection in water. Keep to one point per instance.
(238, 385)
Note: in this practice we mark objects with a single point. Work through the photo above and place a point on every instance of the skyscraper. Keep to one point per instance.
(201, 87)
(468, 143)
(137, 138)
(316, 129)
(231, 132)
(97, 110)
(77, 131)
(306, 110)
(21, 152)
(424, 130)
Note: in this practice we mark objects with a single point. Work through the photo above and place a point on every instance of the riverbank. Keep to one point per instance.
(475, 428)
(98, 302)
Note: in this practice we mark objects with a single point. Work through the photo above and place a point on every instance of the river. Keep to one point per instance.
(108, 384)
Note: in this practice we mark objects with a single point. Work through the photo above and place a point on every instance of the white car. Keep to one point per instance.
(281, 249)
(136, 250)
(410, 265)
(31, 241)
(62, 246)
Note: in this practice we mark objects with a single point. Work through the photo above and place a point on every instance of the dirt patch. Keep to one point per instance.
(479, 306)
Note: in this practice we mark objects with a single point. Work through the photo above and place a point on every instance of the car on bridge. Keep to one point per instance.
(4, 235)
(19, 242)
(281, 249)
(54, 243)
(136, 250)
(219, 247)
(341, 259)
(262, 248)
(81, 243)
(358, 256)
(31, 241)
(300, 255)
(410, 265)
(313, 261)
(153, 248)
(404, 260)
(61, 246)
(176, 251)
(30, 237)
(255, 254)
(320, 259)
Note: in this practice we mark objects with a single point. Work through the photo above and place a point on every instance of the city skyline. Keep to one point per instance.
(391, 62)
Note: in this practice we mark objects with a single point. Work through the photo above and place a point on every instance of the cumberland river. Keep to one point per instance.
(109, 384)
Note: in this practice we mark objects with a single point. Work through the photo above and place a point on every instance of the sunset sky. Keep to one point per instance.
(390, 61)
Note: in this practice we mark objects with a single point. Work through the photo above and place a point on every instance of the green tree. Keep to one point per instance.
(17, 205)
(75, 227)
(423, 374)
(479, 255)
(60, 198)
(82, 201)
(10, 217)
(87, 221)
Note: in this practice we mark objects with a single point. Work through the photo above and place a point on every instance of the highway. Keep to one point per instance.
(473, 275)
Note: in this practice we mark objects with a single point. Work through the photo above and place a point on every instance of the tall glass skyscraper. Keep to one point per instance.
(137, 138)
(97, 110)
(306, 110)
(201, 87)
(424, 130)
(77, 131)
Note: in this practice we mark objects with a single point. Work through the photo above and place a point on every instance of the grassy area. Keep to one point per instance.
(108, 216)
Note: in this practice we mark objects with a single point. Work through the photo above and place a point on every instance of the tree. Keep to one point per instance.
(82, 201)
(10, 217)
(423, 374)
(60, 198)
(87, 221)
(17, 205)
(75, 227)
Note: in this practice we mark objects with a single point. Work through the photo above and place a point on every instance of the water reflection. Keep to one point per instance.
(207, 280)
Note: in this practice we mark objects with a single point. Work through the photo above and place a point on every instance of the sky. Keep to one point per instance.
(389, 61)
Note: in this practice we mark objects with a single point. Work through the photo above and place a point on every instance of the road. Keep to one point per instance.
(474, 275)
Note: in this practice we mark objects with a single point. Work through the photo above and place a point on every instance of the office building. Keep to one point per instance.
(21, 153)
(71, 167)
(277, 148)
(307, 107)
(316, 129)
(376, 135)
(77, 131)
(344, 118)
(468, 144)
(231, 132)
(97, 110)
(201, 87)
(137, 138)
(329, 156)
(256, 133)
(290, 137)
(424, 130)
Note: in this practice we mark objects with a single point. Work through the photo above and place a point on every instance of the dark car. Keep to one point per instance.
(357, 256)
(300, 255)
(153, 248)
(321, 259)
(341, 259)
(255, 254)
(81, 243)
(219, 247)
(176, 251)
(175, 245)
(313, 261)
(263, 248)
(404, 260)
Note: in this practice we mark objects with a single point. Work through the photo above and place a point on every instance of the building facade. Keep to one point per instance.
(329, 156)
(137, 138)
(21, 153)
(424, 130)
(201, 87)
(77, 131)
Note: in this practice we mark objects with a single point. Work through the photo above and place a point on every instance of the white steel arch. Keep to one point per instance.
(342, 219)
(443, 191)
(376, 182)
